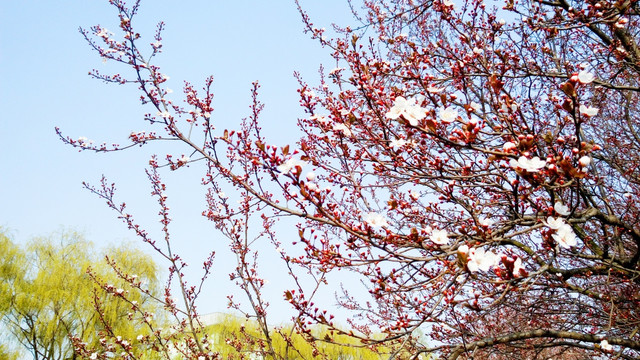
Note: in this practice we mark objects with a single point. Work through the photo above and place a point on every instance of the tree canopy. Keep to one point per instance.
(48, 297)
(476, 164)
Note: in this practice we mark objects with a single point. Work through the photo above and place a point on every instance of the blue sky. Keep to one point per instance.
(44, 63)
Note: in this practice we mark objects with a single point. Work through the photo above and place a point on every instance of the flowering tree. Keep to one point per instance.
(477, 165)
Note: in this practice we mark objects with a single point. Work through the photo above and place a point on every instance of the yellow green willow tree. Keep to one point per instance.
(48, 295)
(238, 338)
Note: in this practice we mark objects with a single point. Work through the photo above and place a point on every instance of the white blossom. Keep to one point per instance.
(376, 220)
(565, 236)
(409, 109)
(439, 237)
(104, 33)
(554, 223)
(585, 77)
(604, 344)
(397, 143)
(517, 266)
(584, 161)
(322, 119)
(342, 127)
(432, 89)
(479, 259)
(530, 165)
(291, 165)
(508, 146)
(83, 141)
(588, 111)
(448, 114)
(561, 208)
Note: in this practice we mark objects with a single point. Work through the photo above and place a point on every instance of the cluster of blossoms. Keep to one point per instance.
(411, 110)
(141, 136)
(292, 165)
(84, 142)
(564, 234)
(479, 259)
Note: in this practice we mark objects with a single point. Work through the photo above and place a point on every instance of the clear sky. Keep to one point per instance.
(44, 63)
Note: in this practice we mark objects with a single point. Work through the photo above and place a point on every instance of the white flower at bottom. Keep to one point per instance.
(376, 220)
(604, 344)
